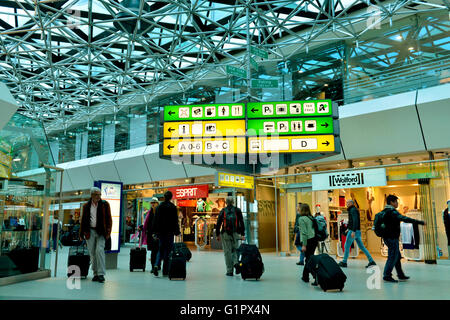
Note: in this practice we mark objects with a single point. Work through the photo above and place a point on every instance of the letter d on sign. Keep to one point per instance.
(74, 281)
(374, 281)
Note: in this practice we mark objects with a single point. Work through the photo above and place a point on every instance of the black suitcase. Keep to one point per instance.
(177, 265)
(327, 272)
(181, 246)
(79, 256)
(250, 263)
(138, 258)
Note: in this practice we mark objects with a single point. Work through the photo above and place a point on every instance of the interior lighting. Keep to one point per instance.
(411, 48)
(16, 159)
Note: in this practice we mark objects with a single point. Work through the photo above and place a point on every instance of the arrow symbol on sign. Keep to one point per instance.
(254, 110)
(171, 112)
(170, 147)
(171, 129)
(326, 143)
(325, 125)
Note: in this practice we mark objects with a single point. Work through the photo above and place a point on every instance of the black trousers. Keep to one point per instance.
(311, 246)
(153, 247)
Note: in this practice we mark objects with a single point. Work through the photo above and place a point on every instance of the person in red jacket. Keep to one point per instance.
(96, 226)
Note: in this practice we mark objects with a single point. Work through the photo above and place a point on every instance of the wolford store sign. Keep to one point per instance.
(349, 179)
(192, 192)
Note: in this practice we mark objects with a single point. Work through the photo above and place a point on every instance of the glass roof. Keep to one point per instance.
(95, 54)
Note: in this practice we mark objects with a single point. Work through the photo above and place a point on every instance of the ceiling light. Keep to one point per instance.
(16, 159)
(411, 48)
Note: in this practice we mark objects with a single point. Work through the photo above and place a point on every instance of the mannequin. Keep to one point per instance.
(201, 205)
(446, 217)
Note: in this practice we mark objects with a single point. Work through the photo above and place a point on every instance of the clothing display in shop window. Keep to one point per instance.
(410, 236)
(343, 226)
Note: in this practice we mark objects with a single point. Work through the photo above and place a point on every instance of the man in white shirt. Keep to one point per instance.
(96, 225)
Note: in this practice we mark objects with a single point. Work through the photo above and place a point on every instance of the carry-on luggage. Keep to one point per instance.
(138, 257)
(250, 263)
(327, 272)
(177, 263)
(184, 249)
(79, 256)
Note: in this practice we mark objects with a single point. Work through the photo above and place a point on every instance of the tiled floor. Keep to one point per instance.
(206, 280)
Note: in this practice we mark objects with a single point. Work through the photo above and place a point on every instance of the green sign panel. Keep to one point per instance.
(259, 52)
(297, 126)
(253, 63)
(258, 83)
(218, 111)
(286, 109)
(236, 72)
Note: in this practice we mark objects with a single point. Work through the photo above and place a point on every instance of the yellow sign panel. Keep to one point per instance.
(5, 172)
(317, 143)
(176, 147)
(217, 128)
(5, 159)
(225, 179)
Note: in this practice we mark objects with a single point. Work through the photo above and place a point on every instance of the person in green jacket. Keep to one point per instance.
(307, 236)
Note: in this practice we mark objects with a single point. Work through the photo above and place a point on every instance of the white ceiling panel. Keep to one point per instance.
(67, 182)
(162, 169)
(80, 175)
(102, 168)
(382, 133)
(198, 171)
(132, 167)
(8, 105)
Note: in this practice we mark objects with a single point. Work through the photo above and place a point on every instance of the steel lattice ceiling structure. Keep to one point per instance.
(68, 61)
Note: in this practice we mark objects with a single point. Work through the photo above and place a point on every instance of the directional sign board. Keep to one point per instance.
(290, 126)
(263, 83)
(319, 143)
(236, 71)
(204, 128)
(225, 179)
(176, 147)
(220, 111)
(289, 109)
(259, 52)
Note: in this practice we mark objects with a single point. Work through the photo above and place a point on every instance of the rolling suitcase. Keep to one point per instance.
(177, 263)
(250, 263)
(138, 257)
(327, 272)
(184, 249)
(79, 256)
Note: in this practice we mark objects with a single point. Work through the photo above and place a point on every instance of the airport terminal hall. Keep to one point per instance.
(242, 153)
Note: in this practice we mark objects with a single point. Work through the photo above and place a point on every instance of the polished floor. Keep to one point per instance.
(206, 280)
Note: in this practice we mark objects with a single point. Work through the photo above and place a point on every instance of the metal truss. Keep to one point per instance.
(66, 62)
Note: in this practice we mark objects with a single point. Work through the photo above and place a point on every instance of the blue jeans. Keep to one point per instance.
(348, 244)
(302, 254)
(393, 259)
(165, 247)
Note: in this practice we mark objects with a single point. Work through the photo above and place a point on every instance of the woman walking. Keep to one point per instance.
(307, 236)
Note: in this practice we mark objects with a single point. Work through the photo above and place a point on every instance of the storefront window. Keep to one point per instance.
(25, 245)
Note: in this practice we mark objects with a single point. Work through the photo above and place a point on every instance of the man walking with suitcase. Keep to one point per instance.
(152, 244)
(96, 226)
(165, 226)
(354, 233)
(230, 227)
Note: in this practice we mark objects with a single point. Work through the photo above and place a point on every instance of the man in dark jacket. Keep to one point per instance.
(446, 217)
(230, 226)
(354, 233)
(392, 219)
(96, 226)
(165, 226)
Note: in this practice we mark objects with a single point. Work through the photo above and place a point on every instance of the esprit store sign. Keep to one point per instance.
(349, 179)
(200, 191)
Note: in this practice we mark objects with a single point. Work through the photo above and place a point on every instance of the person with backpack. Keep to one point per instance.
(354, 233)
(322, 231)
(164, 227)
(308, 238)
(230, 228)
(387, 225)
(446, 218)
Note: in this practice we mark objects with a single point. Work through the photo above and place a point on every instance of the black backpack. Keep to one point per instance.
(378, 224)
(230, 223)
(320, 233)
